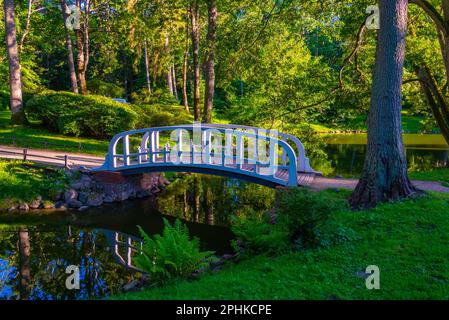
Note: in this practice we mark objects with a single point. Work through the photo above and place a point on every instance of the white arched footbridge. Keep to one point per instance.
(255, 154)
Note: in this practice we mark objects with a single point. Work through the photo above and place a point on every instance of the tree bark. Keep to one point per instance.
(169, 71)
(184, 66)
(27, 25)
(175, 89)
(384, 176)
(15, 78)
(147, 67)
(194, 16)
(210, 61)
(81, 40)
(68, 43)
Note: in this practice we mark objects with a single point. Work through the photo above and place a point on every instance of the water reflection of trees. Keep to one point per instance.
(212, 200)
(348, 159)
(33, 264)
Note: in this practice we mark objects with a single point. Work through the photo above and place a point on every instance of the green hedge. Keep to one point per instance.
(73, 114)
(161, 115)
(107, 89)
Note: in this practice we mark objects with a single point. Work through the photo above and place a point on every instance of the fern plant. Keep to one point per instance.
(173, 254)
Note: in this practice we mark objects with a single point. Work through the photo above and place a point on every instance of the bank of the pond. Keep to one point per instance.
(26, 186)
(406, 240)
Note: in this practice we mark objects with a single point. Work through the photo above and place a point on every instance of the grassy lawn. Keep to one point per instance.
(410, 124)
(434, 175)
(25, 181)
(406, 240)
(39, 138)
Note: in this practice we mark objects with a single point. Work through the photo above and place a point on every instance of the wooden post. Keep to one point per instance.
(66, 162)
(25, 151)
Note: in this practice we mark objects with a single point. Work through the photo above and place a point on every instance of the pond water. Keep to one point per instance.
(346, 152)
(36, 248)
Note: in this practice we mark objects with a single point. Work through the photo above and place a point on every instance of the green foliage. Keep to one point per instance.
(98, 87)
(306, 215)
(161, 115)
(411, 247)
(172, 255)
(72, 114)
(256, 235)
(24, 182)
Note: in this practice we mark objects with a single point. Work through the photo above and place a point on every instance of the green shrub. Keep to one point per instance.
(158, 96)
(256, 235)
(107, 89)
(306, 215)
(159, 116)
(73, 114)
(172, 255)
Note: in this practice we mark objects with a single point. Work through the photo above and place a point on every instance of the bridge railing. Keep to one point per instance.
(211, 147)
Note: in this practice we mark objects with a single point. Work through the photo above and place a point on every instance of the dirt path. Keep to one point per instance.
(54, 158)
(57, 158)
(321, 183)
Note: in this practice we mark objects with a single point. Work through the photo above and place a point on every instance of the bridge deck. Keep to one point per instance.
(304, 179)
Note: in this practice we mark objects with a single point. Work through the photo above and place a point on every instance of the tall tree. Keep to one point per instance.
(185, 66)
(147, 66)
(15, 78)
(82, 44)
(210, 60)
(69, 47)
(194, 16)
(384, 174)
(436, 96)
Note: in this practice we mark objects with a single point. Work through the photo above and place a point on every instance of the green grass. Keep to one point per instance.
(21, 181)
(410, 124)
(441, 175)
(40, 138)
(406, 240)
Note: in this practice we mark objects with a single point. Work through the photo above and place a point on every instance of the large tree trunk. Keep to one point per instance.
(210, 61)
(184, 67)
(194, 16)
(81, 41)
(68, 43)
(384, 175)
(147, 67)
(15, 78)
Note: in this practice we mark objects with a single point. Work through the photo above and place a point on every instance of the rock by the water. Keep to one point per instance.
(95, 200)
(35, 204)
(24, 207)
(75, 204)
(48, 205)
(70, 195)
(83, 197)
(83, 208)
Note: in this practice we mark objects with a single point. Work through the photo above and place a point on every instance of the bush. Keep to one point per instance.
(73, 114)
(159, 116)
(160, 96)
(107, 89)
(172, 255)
(306, 215)
(256, 235)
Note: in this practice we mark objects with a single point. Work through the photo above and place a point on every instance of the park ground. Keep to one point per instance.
(406, 240)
